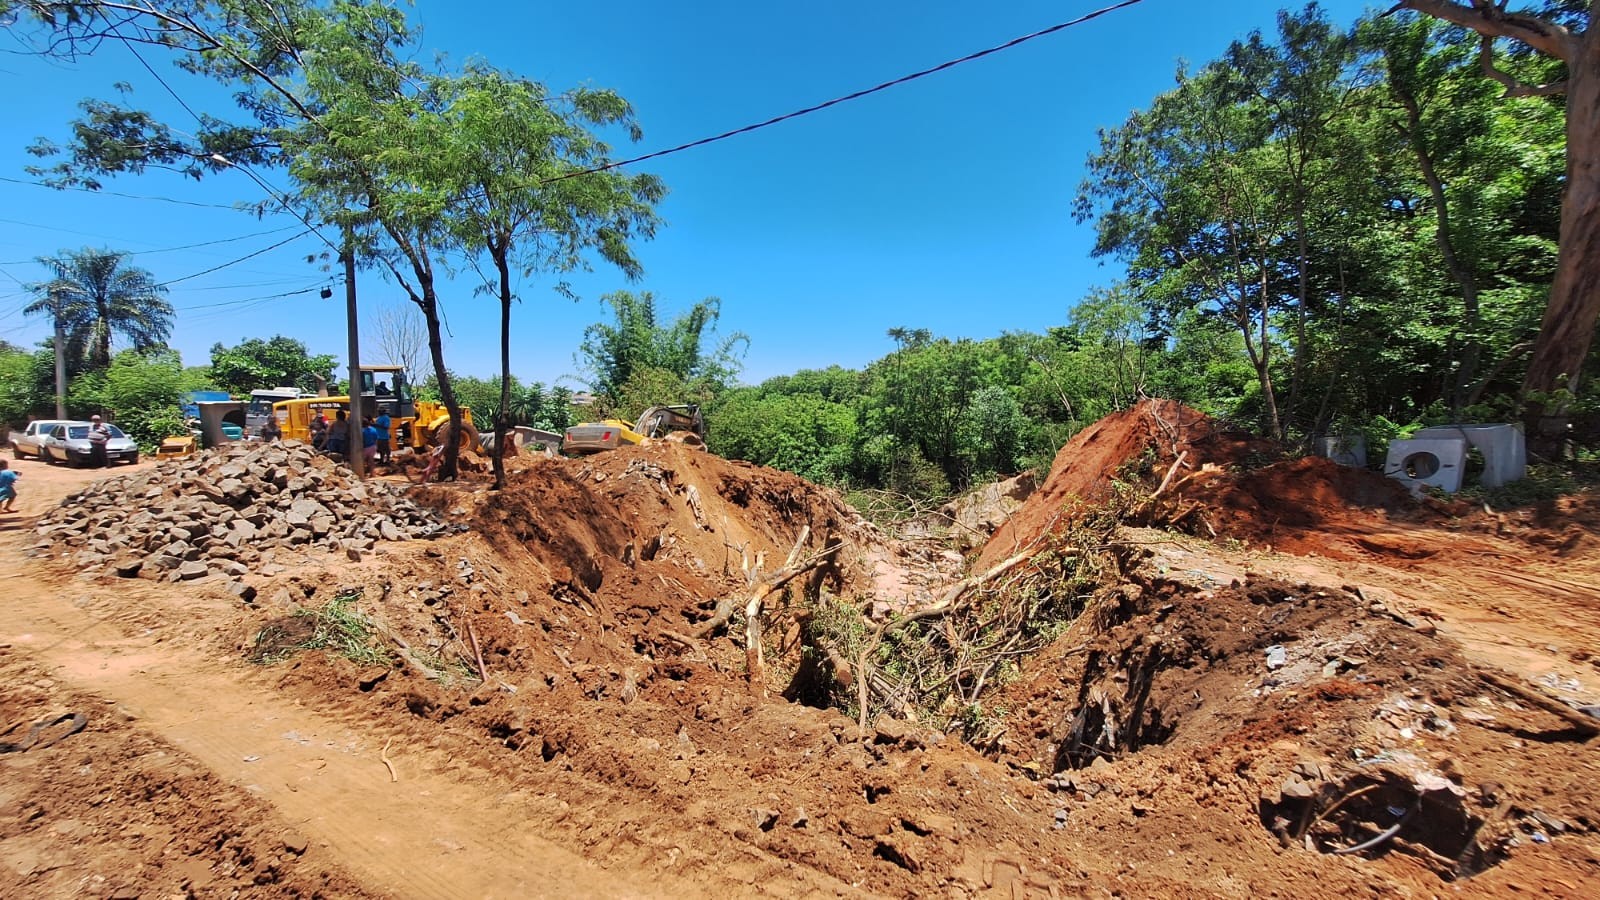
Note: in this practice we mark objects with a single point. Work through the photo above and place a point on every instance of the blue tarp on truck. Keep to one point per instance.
(190, 400)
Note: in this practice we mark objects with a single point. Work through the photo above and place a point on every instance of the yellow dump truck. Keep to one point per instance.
(412, 423)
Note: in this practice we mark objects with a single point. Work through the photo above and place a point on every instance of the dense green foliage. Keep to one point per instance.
(636, 360)
(277, 362)
(1374, 222)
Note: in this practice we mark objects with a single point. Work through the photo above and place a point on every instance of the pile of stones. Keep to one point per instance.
(226, 512)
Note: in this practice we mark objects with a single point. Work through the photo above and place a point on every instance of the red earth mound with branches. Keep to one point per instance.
(1205, 480)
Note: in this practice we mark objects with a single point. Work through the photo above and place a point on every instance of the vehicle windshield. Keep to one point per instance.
(261, 404)
(81, 432)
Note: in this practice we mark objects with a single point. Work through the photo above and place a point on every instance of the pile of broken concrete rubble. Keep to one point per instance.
(226, 512)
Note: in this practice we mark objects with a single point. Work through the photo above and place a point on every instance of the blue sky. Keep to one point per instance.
(942, 204)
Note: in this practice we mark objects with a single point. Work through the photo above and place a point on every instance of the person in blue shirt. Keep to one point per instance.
(383, 436)
(8, 486)
(369, 443)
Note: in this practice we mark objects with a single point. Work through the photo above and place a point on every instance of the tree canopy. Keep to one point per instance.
(276, 362)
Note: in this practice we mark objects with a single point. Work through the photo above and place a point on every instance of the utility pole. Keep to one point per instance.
(357, 454)
(61, 360)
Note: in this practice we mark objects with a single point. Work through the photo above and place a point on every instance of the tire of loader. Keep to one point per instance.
(469, 435)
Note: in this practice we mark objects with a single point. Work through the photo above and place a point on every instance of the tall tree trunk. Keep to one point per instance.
(102, 335)
(1471, 347)
(1264, 364)
(1569, 321)
(429, 304)
(503, 269)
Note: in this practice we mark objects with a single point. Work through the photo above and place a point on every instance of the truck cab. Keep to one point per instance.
(259, 410)
(385, 388)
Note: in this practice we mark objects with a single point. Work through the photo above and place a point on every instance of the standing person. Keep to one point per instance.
(319, 432)
(270, 431)
(369, 442)
(383, 423)
(338, 433)
(8, 486)
(99, 434)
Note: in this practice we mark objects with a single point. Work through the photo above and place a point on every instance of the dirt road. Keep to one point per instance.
(301, 778)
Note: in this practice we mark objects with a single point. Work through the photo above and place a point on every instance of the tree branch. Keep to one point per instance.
(1514, 88)
(1487, 18)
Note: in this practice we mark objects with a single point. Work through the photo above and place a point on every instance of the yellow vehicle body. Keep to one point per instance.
(412, 423)
(415, 431)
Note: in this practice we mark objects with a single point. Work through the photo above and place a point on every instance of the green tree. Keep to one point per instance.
(1182, 192)
(92, 296)
(801, 433)
(24, 384)
(636, 340)
(520, 162)
(1562, 31)
(276, 362)
(1491, 171)
(1297, 85)
(139, 391)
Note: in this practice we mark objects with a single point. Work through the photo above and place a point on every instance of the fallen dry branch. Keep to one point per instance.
(1167, 481)
(755, 666)
(477, 653)
(947, 600)
(384, 755)
(1579, 722)
(763, 589)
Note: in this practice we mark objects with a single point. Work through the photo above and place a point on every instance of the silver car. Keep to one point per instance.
(69, 443)
(33, 439)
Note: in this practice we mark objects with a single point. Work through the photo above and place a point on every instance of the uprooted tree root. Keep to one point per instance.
(936, 664)
(1372, 814)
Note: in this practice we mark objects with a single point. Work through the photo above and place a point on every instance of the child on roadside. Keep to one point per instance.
(8, 486)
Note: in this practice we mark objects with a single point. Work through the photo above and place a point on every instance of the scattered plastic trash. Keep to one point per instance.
(1277, 657)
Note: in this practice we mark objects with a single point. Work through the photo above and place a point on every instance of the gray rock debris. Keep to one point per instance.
(216, 513)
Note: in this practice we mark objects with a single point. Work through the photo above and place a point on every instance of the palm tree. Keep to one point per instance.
(93, 296)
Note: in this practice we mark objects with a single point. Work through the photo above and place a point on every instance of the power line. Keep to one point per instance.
(85, 190)
(851, 96)
(248, 299)
(154, 74)
(241, 259)
(242, 237)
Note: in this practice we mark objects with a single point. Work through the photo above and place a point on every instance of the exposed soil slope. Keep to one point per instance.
(1154, 749)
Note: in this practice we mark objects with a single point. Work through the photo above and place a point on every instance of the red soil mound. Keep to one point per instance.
(1125, 445)
(1217, 490)
(1301, 505)
(636, 541)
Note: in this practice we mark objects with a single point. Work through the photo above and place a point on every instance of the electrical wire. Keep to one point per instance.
(856, 95)
(105, 193)
(241, 259)
(248, 299)
(242, 237)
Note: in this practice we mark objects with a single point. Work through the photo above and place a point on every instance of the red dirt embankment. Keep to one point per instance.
(1228, 484)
